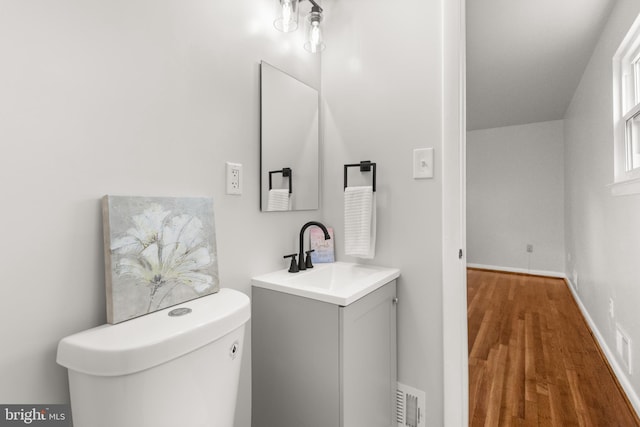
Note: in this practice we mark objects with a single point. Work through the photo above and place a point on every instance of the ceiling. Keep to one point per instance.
(525, 58)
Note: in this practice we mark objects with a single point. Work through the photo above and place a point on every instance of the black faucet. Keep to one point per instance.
(302, 265)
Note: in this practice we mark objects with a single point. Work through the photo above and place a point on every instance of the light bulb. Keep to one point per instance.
(314, 41)
(315, 36)
(287, 13)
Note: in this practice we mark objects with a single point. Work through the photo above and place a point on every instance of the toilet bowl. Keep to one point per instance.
(161, 369)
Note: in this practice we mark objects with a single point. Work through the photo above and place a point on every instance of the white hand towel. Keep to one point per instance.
(278, 200)
(360, 222)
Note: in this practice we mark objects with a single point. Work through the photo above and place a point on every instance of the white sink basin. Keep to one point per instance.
(338, 283)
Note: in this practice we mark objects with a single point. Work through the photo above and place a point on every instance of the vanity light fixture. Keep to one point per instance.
(287, 21)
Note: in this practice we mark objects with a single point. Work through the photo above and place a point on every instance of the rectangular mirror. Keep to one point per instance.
(289, 147)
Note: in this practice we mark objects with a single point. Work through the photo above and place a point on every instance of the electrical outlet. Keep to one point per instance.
(623, 347)
(234, 178)
(529, 248)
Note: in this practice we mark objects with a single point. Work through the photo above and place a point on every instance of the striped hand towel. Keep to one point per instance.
(360, 222)
(278, 200)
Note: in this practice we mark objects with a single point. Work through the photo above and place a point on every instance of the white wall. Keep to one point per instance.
(382, 88)
(515, 197)
(127, 97)
(602, 231)
(145, 98)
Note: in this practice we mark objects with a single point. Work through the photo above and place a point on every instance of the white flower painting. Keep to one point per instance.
(159, 252)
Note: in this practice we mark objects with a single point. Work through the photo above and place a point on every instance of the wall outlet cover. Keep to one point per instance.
(234, 178)
(623, 348)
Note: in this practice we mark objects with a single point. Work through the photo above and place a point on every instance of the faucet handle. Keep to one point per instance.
(293, 268)
(307, 262)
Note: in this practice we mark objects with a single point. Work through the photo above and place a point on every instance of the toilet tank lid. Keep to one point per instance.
(155, 338)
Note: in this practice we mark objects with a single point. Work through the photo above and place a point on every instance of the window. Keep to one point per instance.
(626, 113)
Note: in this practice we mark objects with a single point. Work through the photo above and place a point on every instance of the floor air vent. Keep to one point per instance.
(410, 404)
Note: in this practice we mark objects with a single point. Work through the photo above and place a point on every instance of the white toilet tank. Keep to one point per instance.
(160, 370)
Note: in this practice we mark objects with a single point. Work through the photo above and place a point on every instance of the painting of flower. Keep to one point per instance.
(159, 252)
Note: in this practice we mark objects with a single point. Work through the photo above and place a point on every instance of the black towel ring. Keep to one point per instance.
(286, 173)
(365, 166)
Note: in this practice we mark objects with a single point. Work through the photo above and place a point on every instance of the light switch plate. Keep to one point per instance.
(423, 163)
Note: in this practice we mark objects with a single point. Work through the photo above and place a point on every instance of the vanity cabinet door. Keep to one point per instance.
(295, 361)
(369, 360)
(316, 364)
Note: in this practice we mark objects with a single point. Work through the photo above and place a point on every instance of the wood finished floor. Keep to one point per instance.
(532, 358)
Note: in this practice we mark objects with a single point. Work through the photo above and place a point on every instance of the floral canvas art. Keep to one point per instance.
(159, 252)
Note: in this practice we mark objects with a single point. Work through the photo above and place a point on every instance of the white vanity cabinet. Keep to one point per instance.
(320, 364)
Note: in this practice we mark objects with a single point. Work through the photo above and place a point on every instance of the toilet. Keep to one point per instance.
(176, 367)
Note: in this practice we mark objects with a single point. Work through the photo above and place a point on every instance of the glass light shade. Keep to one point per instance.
(286, 15)
(314, 42)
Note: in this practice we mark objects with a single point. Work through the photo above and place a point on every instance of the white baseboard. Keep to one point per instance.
(613, 362)
(519, 270)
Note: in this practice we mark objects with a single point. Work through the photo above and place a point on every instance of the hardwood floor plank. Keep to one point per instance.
(530, 392)
(515, 374)
(533, 360)
(495, 393)
(481, 343)
(476, 376)
(584, 419)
